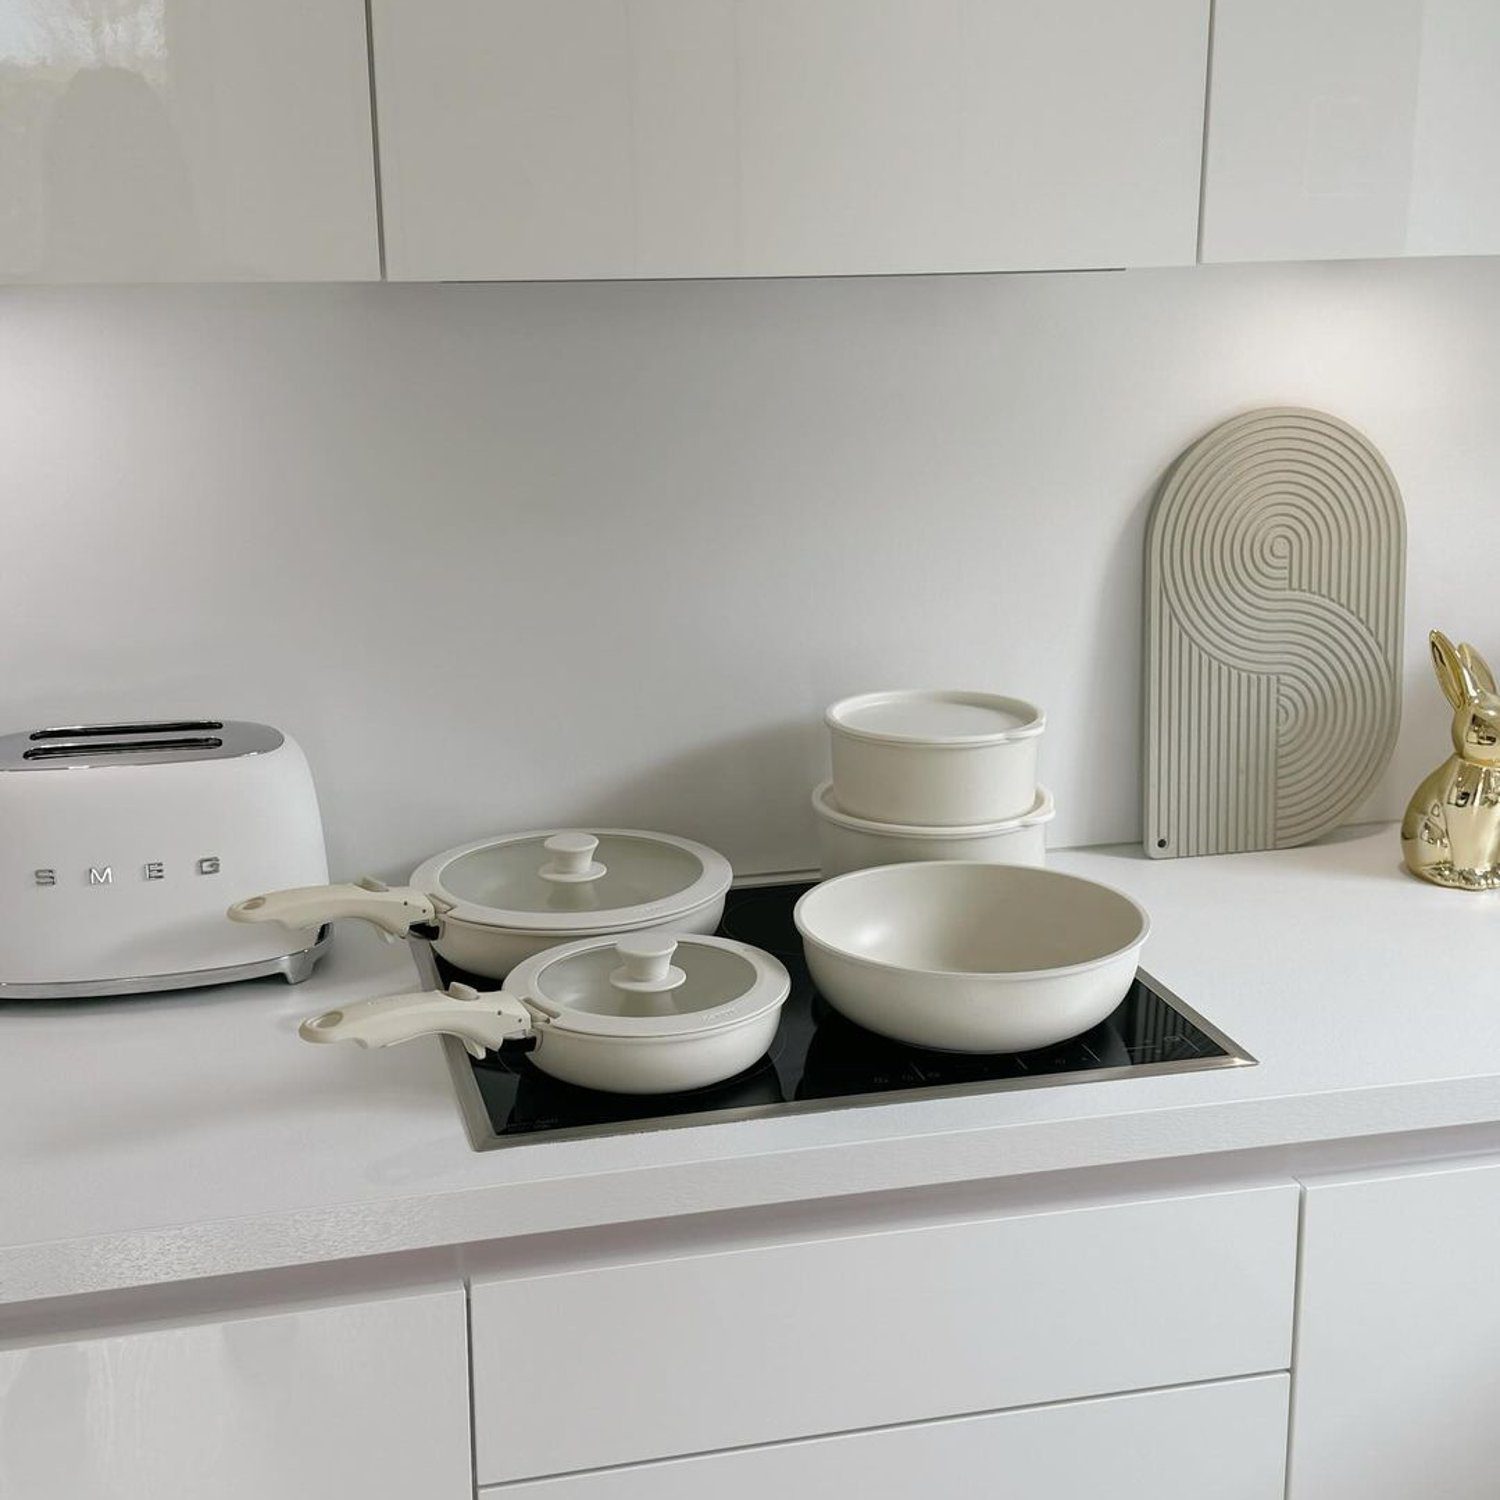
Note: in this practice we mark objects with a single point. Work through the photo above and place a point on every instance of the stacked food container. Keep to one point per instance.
(932, 775)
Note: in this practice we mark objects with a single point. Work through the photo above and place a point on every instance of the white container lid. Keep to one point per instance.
(936, 718)
(827, 808)
(571, 881)
(650, 985)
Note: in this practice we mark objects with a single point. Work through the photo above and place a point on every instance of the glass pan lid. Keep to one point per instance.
(673, 985)
(574, 880)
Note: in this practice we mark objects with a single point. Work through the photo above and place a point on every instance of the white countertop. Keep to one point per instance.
(157, 1140)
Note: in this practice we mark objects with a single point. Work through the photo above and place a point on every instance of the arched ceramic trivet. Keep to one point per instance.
(1275, 575)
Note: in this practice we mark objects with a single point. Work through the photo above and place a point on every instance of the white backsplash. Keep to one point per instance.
(507, 556)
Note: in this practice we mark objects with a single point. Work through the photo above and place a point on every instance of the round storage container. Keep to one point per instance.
(934, 759)
(849, 843)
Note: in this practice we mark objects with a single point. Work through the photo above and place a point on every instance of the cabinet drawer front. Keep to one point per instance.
(619, 138)
(366, 1399)
(1225, 1440)
(627, 1362)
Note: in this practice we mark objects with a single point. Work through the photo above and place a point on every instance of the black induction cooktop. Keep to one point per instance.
(820, 1060)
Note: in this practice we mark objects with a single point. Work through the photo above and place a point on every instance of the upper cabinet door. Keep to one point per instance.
(540, 139)
(182, 140)
(1353, 128)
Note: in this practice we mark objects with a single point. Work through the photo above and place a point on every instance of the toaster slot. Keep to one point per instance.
(121, 747)
(142, 742)
(122, 731)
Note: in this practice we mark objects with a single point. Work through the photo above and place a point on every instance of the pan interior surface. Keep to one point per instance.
(970, 918)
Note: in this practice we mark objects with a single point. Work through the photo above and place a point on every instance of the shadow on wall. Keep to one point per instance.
(1109, 794)
(117, 189)
(759, 785)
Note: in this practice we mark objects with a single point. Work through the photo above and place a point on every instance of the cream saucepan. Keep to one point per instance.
(498, 901)
(646, 1013)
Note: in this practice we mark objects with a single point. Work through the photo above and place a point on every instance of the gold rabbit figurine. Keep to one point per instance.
(1451, 832)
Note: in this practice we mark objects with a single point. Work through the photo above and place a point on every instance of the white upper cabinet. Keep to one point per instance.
(540, 139)
(1353, 128)
(182, 140)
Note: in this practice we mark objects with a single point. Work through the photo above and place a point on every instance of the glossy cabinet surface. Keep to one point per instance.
(1226, 1440)
(147, 140)
(1398, 1342)
(366, 1399)
(759, 1344)
(539, 139)
(1353, 128)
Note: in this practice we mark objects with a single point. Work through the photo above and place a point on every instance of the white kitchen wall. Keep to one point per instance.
(505, 556)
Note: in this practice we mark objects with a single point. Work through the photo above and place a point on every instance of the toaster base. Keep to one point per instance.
(294, 966)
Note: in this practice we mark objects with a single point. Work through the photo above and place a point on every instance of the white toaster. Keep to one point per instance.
(121, 846)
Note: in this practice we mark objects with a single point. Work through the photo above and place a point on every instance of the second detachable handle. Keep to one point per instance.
(481, 1021)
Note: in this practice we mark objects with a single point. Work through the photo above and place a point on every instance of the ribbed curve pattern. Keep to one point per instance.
(1275, 576)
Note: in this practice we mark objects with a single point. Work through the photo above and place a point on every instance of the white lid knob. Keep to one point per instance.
(646, 966)
(572, 858)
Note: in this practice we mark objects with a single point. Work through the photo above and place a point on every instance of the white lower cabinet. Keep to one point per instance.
(1398, 1346)
(1226, 1440)
(366, 1399)
(762, 1343)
